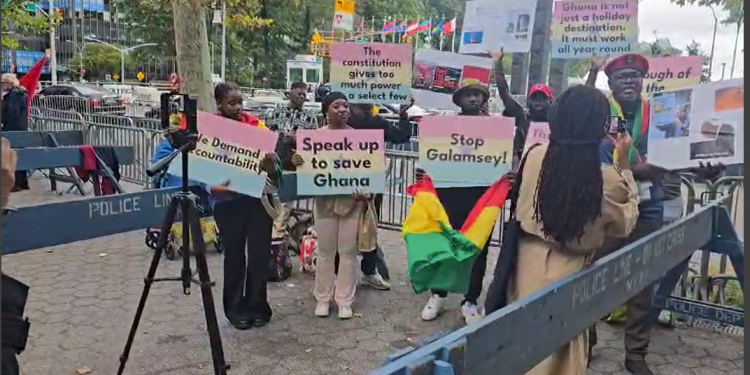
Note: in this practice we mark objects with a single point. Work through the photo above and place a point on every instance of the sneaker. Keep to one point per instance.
(323, 309)
(345, 312)
(470, 312)
(376, 281)
(433, 308)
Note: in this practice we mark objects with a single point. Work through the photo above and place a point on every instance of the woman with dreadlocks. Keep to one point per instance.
(569, 203)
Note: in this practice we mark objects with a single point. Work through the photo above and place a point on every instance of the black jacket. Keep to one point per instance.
(16, 110)
(394, 133)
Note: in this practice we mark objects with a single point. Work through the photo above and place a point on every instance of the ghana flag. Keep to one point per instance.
(439, 256)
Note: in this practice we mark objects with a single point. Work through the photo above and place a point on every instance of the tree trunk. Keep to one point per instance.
(191, 43)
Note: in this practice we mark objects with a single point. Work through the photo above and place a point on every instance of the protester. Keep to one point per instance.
(245, 229)
(537, 105)
(569, 204)
(458, 203)
(286, 120)
(337, 220)
(15, 109)
(626, 75)
(362, 117)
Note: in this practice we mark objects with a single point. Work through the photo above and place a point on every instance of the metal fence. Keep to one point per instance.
(706, 281)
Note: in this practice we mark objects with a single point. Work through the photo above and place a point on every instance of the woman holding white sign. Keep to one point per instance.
(337, 221)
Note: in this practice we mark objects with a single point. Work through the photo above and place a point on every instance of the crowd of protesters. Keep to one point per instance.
(582, 196)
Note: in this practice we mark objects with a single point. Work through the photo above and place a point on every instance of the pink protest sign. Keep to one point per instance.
(372, 72)
(231, 151)
(340, 162)
(462, 151)
(672, 73)
(582, 28)
(538, 133)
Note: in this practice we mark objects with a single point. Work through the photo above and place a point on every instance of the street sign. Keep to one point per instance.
(108, 77)
(31, 7)
(140, 76)
(343, 16)
(115, 77)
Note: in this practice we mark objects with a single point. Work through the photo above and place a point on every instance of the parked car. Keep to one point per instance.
(81, 99)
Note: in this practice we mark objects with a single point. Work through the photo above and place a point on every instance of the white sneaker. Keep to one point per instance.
(323, 309)
(433, 308)
(470, 312)
(376, 281)
(345, 312)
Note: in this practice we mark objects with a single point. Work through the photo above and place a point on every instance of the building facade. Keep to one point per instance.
(83, 22)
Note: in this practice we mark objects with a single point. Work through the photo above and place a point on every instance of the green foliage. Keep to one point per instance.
(100, 60)
(16, 22)
(694, 49)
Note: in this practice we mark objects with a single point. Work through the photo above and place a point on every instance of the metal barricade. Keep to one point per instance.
(151, 124)
(99, 119)
(46, 119)
(716, 281)
(79, 104)
(141, 140)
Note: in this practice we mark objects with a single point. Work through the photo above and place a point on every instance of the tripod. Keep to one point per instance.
(185, 201)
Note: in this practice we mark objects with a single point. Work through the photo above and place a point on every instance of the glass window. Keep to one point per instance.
(295, 74)
(312, 76)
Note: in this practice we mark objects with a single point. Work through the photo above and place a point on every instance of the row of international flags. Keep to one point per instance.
(411, 28)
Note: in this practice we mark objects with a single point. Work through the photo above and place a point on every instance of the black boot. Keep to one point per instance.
(638, 367)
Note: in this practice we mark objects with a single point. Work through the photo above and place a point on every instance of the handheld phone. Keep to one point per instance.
(616, 125)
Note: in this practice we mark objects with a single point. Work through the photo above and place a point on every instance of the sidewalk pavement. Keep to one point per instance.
(83, 298)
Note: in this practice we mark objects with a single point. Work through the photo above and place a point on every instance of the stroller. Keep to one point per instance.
(174, 247)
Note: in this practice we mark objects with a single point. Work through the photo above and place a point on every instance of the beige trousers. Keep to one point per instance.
(337, 234)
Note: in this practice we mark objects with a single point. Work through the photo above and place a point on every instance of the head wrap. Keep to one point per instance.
(330, 98)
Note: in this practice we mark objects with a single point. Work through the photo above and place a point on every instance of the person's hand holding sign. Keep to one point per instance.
(297, 159)
(598, 62)
(221, 189)
(404, 110)
(268, 164)
(361, 195)
(496, 55)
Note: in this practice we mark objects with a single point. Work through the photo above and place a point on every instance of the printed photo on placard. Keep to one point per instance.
(670, 115)
(704, 124)
(490, 25)
(437, 75)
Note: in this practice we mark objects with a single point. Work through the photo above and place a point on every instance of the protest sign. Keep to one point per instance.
(490, 25)
(581, 29)
(538, 133)
(228, 150)
(702, 124)
(672, 73)
(437, 75)
(372, 72)
(464, 151)
(343, 15)
(339, 162)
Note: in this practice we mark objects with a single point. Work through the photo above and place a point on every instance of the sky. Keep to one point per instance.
(682, 25)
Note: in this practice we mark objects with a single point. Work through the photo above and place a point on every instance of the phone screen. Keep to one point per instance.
(614, 125)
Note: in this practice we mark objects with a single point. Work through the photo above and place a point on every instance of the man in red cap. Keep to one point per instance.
(626, 75)
(537, 105)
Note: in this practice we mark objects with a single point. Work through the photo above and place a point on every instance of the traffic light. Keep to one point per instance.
(56, 16)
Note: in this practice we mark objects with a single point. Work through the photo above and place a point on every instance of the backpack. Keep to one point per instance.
(280, 266)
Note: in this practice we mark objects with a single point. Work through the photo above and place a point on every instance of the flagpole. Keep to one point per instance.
(453, 40)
